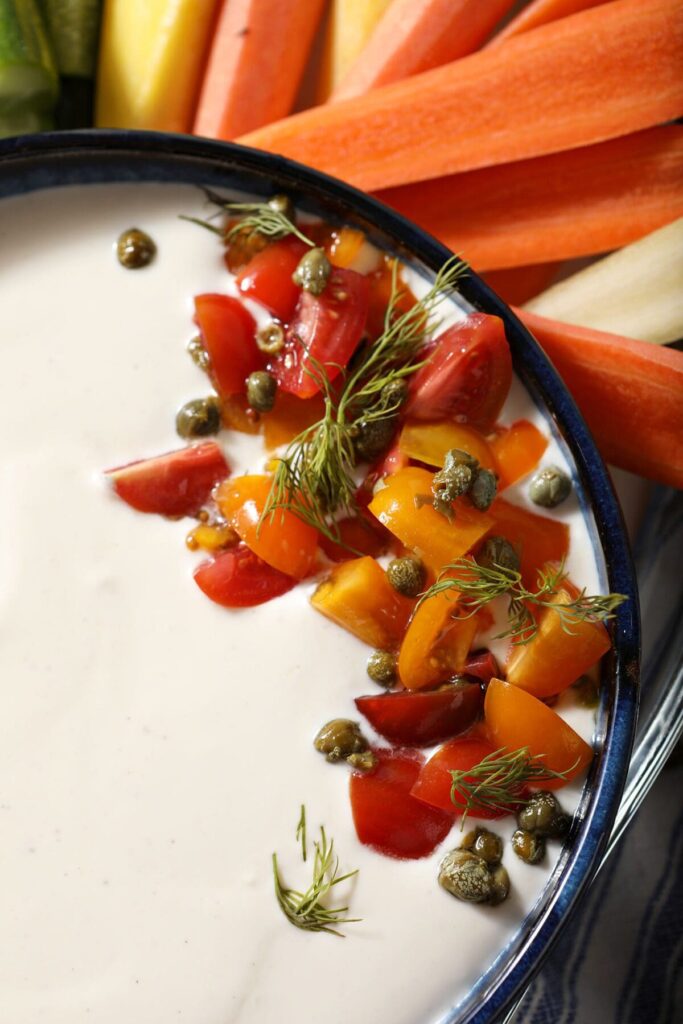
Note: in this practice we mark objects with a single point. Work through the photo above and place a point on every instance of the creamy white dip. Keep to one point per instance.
(155, 748)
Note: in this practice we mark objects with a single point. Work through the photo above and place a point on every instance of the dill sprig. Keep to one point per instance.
(259, 217)
(497, 782)
(306, 910)
(301, 832)
(314, 477)
(478, 585)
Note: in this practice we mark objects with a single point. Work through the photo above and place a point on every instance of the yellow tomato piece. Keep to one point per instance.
(152, 55)
(435, 539)
(357, 596)
(429, 442)
(436, 645)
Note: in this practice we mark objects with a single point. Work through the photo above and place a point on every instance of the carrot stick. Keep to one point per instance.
(257, 59)
(540, 12)
(570, 204)
(584, 79)
(517, 285)
(415, 35)
(628, 391)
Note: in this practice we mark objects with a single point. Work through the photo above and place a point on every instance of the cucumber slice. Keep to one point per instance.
(74, 27)
(28, 75)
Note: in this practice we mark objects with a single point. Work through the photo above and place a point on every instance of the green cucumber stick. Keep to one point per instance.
(74, 27)
(28, 76)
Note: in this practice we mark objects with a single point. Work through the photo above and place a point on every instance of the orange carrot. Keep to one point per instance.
(630, 394)
(517, 285)
(415, 35)
(577, 203)
(540, 12)
(597, 75)
(257, 59)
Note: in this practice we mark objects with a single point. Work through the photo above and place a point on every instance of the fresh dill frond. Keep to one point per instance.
(478, 585)
(307, 910)
(301, 832)
(261, 217)
(497, 782)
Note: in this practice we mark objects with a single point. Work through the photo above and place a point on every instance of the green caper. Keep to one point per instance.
(261, 390)
(543, 814)
(466, 876)
(381, 667)
(395, 393)
(406, 575)
(135, 249)
(529, 846)
(549, 487)
(313, 271)
(488, 846)
(372, 437)
(199, 418)
(198, 354)
(282, 204)
(498, 553)
(271, 338)
(500, 885)
(340, 738)
(483, 489)
(456, 477)
(364, 762)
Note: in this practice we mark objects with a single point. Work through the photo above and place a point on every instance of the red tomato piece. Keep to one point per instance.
(238, 578)
(228, 333)
(175, 484)
(467, 375)
(422, 719)
(434, 782)
(267, 277)
(357, 535)
(326, 330)
(482, 665)
(387, 817)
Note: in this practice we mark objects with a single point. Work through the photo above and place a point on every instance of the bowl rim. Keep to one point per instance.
(53, 159)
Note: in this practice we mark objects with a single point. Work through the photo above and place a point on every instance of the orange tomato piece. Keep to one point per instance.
(283, 541)
(381, 284)
(236, 415)
(289, 416)
(436, 645)
(515, 719)
(357, 596)
(344, 246)
(361, 533)
(537, 539)
(555, 658)
(435, 539)
(517, 451)
(429, 442)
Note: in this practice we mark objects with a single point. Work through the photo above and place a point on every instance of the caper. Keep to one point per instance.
(372, 437)
(549, 487)
(340, 738)
(483, 489)
(488, 846)
(282, 204)
(500, 885)
(498, 553)
(456, 477)
(198, 354)
(406, 575)
(542, 814)
(271, 338)
(135, 249)
(395, 393)
(364, 762)
(381, 667)
(261, 390)
(529, 846)
(199, 418)
(466, 876)
(313, 271)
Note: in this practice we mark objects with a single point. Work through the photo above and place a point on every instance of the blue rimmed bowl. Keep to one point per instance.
(55, 160)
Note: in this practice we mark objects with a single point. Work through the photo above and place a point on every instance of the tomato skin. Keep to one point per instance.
(267, 277)
(434, 782)
(175, 484)
(326, 328)
(238, 578)
(467, 376)
(422, 719)
(228, 333)
(387, 817)
(482, 665)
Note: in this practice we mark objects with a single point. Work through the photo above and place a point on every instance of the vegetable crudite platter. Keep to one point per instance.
(317, 606)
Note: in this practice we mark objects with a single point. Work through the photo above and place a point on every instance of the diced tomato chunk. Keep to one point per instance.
(537, 539)
(175, 484)
(359, 534)
(482, 665)
(267, 277)
(228, 332)
(238, 578)
(422, 719)
(387, 817)
(434, 782)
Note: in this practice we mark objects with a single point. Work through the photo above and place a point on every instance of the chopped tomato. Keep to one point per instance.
(436, 643)
(467, 376)
(433, 784)
(482, 665)
(237, 415)
(515, 719)
(381, 285)
(238, 578)
(228, 333)
(267, 277)
(175, 484)
(283, 540)
(358, 597)
(289, 416)
(517, 451)
(429, 442)
(421, 719)
(325, 332)
(357, 534)
(537, 539)
(387, 817)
